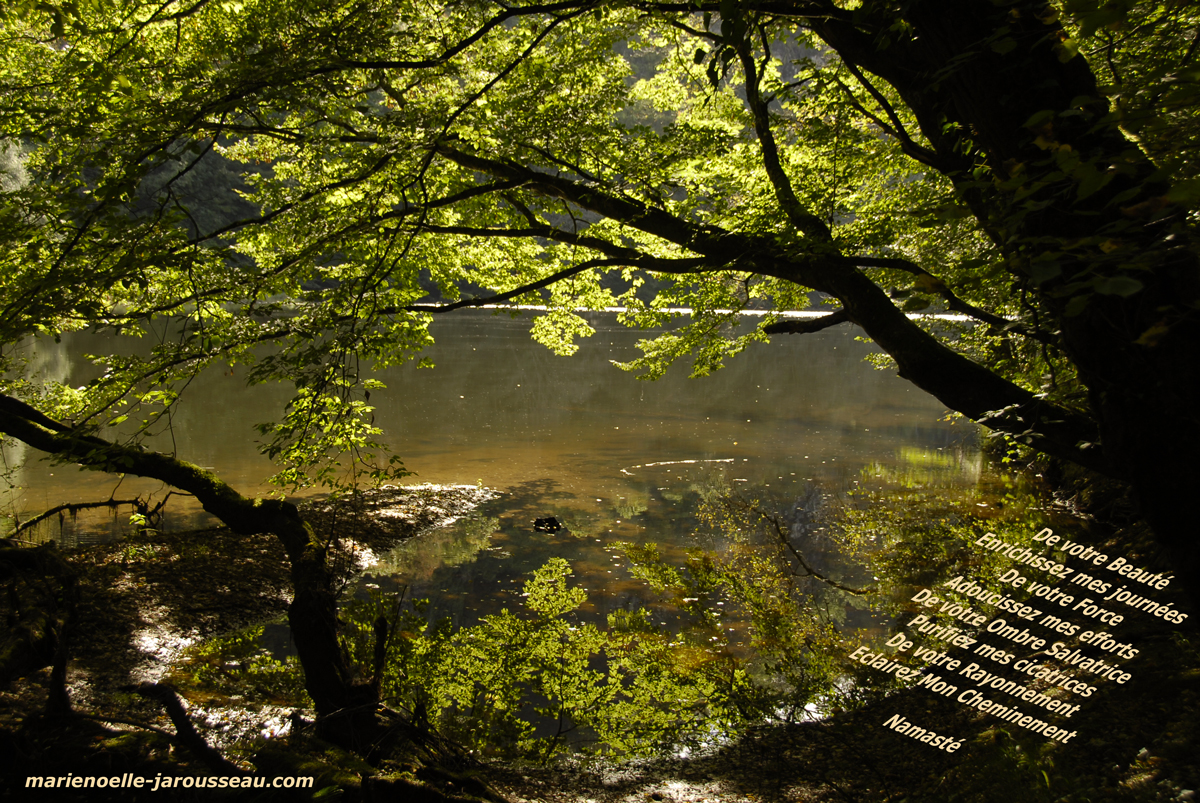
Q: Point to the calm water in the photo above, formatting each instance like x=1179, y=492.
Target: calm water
x=612, y=457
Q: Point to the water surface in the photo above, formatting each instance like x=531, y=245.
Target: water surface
x=611, y=457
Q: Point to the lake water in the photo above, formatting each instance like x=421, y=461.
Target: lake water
x=612, y=457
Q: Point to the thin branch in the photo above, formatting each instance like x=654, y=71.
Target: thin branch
x=449, y=53
x=75, y=507
x=306, y=196
x=525, y=211
x=800, y=217
x=630, y=256
x=709, y=35
x=538, y=285
x=287, y=263
x=1191, y=51
x=955, y=303
x=427, y=160
x=914, y=150
x=783, y=532
x=909, y=147
x=550, y=157
x=807, y=327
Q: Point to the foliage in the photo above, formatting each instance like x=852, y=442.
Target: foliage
x=285, y=183
x=299, y=187
x=237, y=665
x=920, y=535
x=533, y=683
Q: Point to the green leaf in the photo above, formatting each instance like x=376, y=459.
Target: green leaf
x=1186, y=191
x=1043, y=271
x=1076, y=305
x=1067, y=50
x=1037, y=118
x=1123, y=286
x=1091, y=180
x=1005, y=45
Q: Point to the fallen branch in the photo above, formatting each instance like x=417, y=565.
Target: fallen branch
x=185, y=731
x=75, y=507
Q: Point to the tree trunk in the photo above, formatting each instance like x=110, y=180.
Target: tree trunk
x=1111, y=265
x=345, y=709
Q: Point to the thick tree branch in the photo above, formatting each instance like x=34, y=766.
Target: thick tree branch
x=242, y=515
x=933, y=284
x=34, y=633
x=313, y=612
x=962, y=384
x=709, y=240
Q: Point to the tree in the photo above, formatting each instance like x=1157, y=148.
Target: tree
x=1024, y=163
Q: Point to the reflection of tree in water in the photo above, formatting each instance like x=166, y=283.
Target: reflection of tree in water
x=451, y=545
x=764, y=615
x=633, y=503
x=757, y=642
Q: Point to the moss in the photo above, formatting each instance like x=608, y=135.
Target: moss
x=329, y=766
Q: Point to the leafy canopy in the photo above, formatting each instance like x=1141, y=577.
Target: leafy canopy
x=284, y=185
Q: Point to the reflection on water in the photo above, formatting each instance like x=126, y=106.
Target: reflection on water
x=624, y=465
x=503, y=410
x=614, y=458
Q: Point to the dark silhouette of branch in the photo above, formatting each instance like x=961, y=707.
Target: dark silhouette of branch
x=804, y=220
x=783, y=532
x=806, y=327
x=185, y=731
x=75, y=507
x=936, y=285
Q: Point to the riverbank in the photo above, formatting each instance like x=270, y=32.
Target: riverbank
x=149, y=597
x=145, y=599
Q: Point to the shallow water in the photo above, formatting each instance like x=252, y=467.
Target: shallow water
x=611, y=457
